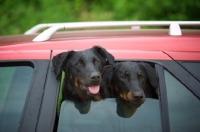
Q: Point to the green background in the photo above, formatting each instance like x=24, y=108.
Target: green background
x=17, y=16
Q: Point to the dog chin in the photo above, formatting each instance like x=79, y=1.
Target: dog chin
x=135, y=104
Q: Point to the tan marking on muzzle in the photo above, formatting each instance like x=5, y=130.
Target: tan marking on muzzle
x=123, y=96
x=130, y=96
x=76, y=82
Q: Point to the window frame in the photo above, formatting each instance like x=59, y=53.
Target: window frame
x=47, y=120
x=162, y=94
x=31, y=110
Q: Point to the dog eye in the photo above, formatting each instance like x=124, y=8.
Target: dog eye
x=140, y=76
x=123, y=77
x=96, y=62
x=79, y=64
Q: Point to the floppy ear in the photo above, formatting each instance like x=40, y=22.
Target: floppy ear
x=59, y=62
x=106, y=82
x=109, y=58
x=151, y=74
x=107, y=75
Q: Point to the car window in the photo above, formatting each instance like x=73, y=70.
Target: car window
x=193, y=67
x=183, y=106
x=109, y=116
x=14, y=85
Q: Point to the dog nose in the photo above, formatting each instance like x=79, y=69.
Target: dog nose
x=138, y=95
x=95, y=76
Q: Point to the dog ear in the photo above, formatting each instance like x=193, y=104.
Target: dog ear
x=59, y=62
x=106, y=82
x=109, y=58
x=107, y=75
x=151, y=74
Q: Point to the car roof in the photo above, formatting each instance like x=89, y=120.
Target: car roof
x=145, y=43
x=134, y=39
x=17, y=39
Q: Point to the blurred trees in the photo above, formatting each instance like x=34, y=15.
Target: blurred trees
x=18, y=16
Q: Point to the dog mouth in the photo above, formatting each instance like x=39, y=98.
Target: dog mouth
x=91, y=89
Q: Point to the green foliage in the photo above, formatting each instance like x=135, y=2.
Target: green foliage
x=18, y=16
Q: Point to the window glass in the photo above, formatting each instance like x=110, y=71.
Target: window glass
x=193, y=67
x=184, y=115
x=14, y=85
x=103, y=116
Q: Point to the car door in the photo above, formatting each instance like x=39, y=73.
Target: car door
x=21, y=91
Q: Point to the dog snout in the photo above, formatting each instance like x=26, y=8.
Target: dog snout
x=138, y=95
x=95, y=76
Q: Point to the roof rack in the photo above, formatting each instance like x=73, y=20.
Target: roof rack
x=174, y=27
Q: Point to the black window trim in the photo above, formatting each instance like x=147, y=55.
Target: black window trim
x=31, y=110
x=48, y=117
x=163, y=99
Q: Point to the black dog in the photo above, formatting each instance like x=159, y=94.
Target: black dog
x=83, y=72
x=132, y=82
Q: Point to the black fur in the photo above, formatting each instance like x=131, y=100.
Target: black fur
x=82, y=71
x=130, y=81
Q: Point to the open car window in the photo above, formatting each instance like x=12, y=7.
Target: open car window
x=108, y=115
x=14, y=86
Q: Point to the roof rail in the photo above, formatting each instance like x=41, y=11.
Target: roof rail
x=174, y=26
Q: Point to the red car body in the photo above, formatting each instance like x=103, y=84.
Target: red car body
x=150, y=47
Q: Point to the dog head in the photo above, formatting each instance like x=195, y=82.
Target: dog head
x=83, y=68
x=128, y=81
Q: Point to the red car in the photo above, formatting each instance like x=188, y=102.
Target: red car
x=29, y=90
